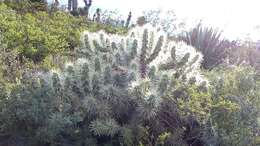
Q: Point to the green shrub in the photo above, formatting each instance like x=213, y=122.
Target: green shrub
x=234, y=120
x=136, y=89
x=35, y=36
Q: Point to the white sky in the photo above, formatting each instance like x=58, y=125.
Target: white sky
x=235, y=17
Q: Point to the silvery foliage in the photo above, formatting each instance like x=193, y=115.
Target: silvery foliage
x=112, y=73
x=145, y=53
x=166, y=19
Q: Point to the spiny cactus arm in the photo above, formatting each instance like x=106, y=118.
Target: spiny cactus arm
x=107, y=76
x=108, y=127
x=68, y=77
x=122, y=45
x=173, y=54
x=85, y=79
x=143, y=54
x=133, y=51
x=120, y=79
x=127, y=134
x=144, y=46
x=99, y=47
x=72, y=77
x=96, y=85
x=102, y=39
x=163, y=85
x=90, y=105
x=191, y=65
x=69, y=5
x=56, y=84
x=97, y=65
x=86, y=42
x=167, y=66
x=85, y=50
x=118, y=60
x=114, y=46
x=74, y=5
x=88, y=3
x=156, y=50
x=85, y=71
x=194, y=60
x=151, y=73
x=151, y=41
x=128, y=19
x=148, y=109
x=184, y=60
x=171, y=64
x=108, y=44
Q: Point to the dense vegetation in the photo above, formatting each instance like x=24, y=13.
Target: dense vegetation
x=65, y=83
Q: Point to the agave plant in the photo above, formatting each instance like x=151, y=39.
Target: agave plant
x=209, y=42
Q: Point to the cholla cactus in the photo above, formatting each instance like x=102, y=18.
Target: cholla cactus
x=73, y=5
x=128, y=19
x=144, y=50
x=144, y=62
x=116, y=85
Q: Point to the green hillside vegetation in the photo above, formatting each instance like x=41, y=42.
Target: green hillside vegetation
x=67, y=80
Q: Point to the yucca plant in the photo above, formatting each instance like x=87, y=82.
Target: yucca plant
x=209, y=42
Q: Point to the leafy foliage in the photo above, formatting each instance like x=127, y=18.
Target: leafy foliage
x=36, y=36
x=27, y=6
x=234, y=117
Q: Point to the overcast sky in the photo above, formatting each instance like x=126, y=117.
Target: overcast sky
x=235, y=17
